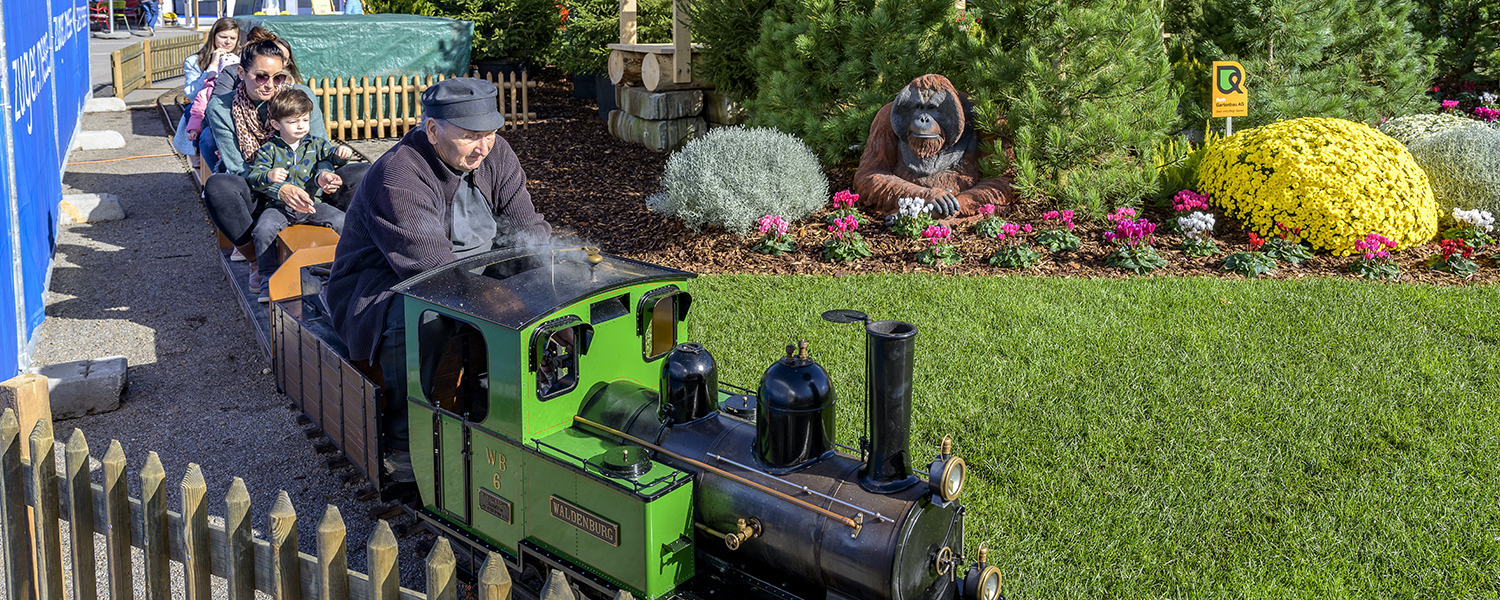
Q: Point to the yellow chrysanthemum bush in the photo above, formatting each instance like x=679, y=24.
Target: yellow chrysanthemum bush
x=1336, y=180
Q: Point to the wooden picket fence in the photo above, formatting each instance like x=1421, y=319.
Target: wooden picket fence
x=33, y=550
x=389, y=106
x=139, y=65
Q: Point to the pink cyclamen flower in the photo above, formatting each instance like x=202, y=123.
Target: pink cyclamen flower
x=774, y=223
x=845, y=199
x=1450, y=104
x=987, y=210
x=1122, y=214
x=1486, y=114
x=1050, y=215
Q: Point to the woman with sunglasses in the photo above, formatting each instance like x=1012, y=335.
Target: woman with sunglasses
x=240, y=127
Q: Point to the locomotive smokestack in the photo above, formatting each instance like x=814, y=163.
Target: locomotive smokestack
x=890, y=348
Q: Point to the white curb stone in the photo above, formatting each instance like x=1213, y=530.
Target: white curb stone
x=84, y=387
x=99, y=140
x=90, y=208
x=94, y=105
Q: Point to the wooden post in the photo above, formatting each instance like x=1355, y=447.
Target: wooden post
x=155, y=545
x=627, y=21
x=239, y=547
x=115, y=68
x=117, y=522
x=286, y=568
x=682, y=46
x=333, y=556
x=48, y=540
x=525, y=103
x=369, y=98
x=441, y=566
x=494, y=579
x=196, y=559
x=27, y=393
x=328, y=119
x=380, y=561
x=512, y=77
x=338, y=105
x=81, y=517
x=13, y=533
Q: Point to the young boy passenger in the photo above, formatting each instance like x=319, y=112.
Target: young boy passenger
x=293, y=170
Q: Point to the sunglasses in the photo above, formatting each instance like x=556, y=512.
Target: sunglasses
x=277, y=79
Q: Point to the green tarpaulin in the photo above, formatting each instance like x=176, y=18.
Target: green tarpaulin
x=373, y=45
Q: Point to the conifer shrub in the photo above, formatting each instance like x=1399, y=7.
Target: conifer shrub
x=1336, y=180
x=1348, y=59
x=728, y=30
x=1411, y=128
x=1467, y=33
x=593, y=23
x=1463, y=165
x=823, y=69
x=732, y=176
x=1085, y=115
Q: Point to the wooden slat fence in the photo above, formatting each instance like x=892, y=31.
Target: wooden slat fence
x=33, y=551
x=139, y=65
x=389, y=106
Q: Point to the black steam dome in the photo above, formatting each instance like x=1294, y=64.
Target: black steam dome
x=689, y=384
x=794, y=422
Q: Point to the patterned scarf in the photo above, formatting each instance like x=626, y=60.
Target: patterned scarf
x=250, y=132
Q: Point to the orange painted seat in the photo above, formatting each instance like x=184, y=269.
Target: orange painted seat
x=300, y=237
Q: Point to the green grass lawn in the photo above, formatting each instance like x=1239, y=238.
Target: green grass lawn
x=1184, y=438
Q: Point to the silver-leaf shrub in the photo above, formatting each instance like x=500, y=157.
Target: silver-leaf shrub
x=1463, y=165
x=734, y=175
x=1411, y=128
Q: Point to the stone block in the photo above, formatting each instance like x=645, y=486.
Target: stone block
x=99, y=140
x=659, y=106
x=94, y=105
x=659, y=136
x=90, y=208
x=718, y=108
x=85, y=387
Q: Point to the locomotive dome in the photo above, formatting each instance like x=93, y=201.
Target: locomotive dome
x=515, y=287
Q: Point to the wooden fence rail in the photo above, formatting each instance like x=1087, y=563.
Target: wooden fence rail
x=33, y=552
x=389, y=106
x=139, y=65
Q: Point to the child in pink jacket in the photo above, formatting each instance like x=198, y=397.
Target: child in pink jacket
x=200, y=100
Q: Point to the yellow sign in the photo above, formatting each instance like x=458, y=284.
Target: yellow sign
x=322, y=7
x=1229, y=97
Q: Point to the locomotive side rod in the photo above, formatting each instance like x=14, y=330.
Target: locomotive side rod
x=855, y=525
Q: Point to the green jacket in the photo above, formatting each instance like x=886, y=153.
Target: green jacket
x=313, y=156
x=221, y=121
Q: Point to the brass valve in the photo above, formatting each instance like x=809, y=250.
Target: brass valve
x=745, y=531
x=946, y=448
x=984, y=554
x=594, y=258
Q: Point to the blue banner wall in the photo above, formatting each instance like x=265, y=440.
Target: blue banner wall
x=46, y=80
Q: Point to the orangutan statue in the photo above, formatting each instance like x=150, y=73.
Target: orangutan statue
x=923, y=145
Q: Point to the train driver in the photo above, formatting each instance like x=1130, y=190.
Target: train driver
x=449, y=189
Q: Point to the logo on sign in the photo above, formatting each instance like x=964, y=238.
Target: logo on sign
x=1229, y=96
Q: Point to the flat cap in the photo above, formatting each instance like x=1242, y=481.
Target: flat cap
x=464, y=101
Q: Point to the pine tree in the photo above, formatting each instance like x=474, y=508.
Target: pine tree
x=1353, y=59
x=1466, y=33
x=592, y=24
x=728, y=30
x=825, y=67
x=1085, y=88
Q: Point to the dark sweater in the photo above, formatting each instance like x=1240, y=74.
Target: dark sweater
x=397, y=227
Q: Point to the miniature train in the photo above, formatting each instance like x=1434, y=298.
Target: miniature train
x=557, y=419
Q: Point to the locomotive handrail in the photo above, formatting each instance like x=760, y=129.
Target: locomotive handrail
x=853, y=524
x=805, y=489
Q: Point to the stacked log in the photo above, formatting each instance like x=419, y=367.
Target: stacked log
x=657, y=111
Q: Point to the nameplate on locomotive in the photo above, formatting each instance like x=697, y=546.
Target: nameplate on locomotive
x=586, y=521
x=492, y=503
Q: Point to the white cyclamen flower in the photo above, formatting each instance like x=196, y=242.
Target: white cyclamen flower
x=1196, y=224
x=912, y=207
x=1479, y=219
x=1488, y=98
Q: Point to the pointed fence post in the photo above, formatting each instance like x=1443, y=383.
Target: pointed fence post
x=13, y=534
x=48, y=538
x=286, y=567
x=557, y=587
x=195, y=533
x=117, y=522
x=380, y=561
x=441, y=567
x=333, y=556
x=494, y=579
x=155, y=545
x=239, y=547
x=81, y=517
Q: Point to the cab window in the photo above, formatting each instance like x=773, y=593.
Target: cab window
x=658, y=314
x=555, y=348
x=454, y=366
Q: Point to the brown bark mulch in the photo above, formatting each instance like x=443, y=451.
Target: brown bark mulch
x=592, y=185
